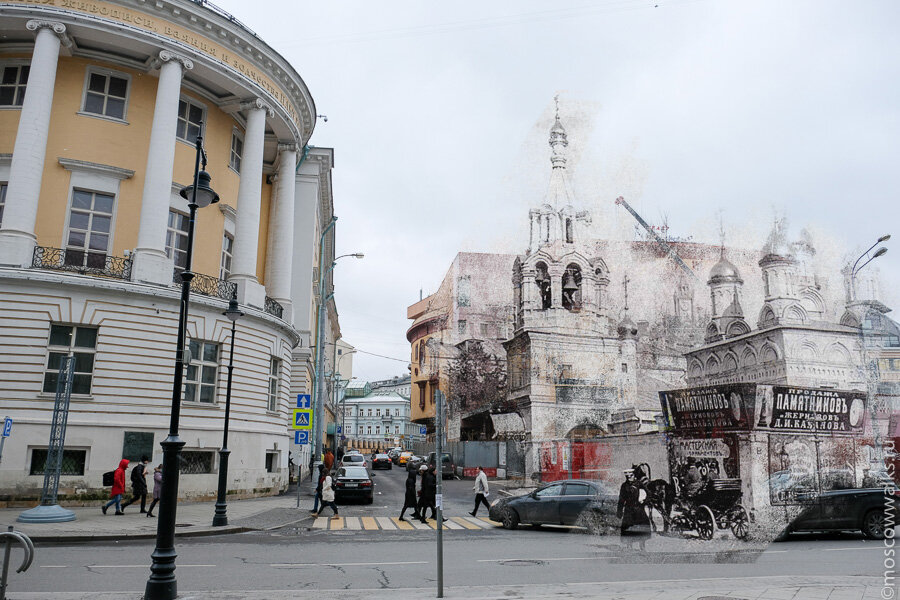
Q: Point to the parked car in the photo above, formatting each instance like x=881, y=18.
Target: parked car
x=846, y=510
x=382, y=461
x=414, y=463
x=404, y=457
x=448, y=469
x=354, y=482
x=354, y=460
x=588, y=504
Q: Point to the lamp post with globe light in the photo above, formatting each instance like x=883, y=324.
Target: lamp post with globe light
x=162, y=584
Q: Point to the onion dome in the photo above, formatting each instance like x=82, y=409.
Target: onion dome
x=724, y=272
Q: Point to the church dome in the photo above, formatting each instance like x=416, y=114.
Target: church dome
x=724, y=271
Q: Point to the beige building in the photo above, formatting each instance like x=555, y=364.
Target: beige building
x=100, y=106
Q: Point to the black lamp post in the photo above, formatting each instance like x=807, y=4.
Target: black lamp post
x=162, y=584
x=221, y=518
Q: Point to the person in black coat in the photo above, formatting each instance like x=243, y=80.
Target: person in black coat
x=409, y=500
x=139, y=484
x=631, y=507
x=427, y=496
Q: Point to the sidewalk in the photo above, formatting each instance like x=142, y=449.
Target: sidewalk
x=746, y=588
x=193, y=519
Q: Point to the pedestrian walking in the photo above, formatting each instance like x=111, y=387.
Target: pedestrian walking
x=328, y=497
x=157, y=489
x=409, y=500
x=328, y=460
x=429, y=493
x=631, y=509
x=482, y=491
x=118, y=488
x=320, y=479
x=139, y=484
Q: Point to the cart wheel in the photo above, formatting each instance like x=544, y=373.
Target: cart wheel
x=740, y=524
x=706, y=523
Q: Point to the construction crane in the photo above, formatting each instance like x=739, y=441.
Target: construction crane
x=662, y=243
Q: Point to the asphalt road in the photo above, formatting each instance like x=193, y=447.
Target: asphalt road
x=304, y=558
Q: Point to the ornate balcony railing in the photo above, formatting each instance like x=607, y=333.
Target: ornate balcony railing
x=209, y=286
x=83, y=262
x=273, y=308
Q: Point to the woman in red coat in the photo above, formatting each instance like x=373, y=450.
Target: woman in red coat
x=118, y=488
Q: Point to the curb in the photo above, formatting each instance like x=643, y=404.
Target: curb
x=100, y=537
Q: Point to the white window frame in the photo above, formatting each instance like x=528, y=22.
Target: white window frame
x=274, y=380
x=227, y=256
x=112, y=216
x=18, y=64
x=200, y=363
x=199, y=105
x=236, y=135
x=105, y=73
x=170, y=250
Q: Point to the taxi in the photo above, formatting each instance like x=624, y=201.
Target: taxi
x=404, y=457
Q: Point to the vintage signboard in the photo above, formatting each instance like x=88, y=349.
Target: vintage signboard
x=813, y=410
x=719, y=408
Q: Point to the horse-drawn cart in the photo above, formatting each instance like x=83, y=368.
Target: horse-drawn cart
x=716, y=505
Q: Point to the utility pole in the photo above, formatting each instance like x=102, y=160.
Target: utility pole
x=439, y=497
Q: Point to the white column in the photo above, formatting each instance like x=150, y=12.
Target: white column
x=17, y=239
x=246, y=232
x=280, y=253
x=150, y=260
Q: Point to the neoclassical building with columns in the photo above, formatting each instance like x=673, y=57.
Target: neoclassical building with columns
x=101, y=103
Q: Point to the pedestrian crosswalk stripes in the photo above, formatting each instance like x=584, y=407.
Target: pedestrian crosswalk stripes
x=395, y=524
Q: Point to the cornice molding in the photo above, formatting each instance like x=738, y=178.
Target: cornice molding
x=72, y=164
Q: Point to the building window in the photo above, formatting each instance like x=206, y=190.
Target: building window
x=79, y=341
x=176, y=239
x=463, y=290
x=237, y=151
x=3, y=187
x=72, y=462
x=461, y=326
x=271, y=461
x=105, y=94
x=369, y=430
x=624, y=367
x=377, y=412
x=396, y=412
x=370, y=412
x=90, y=225
x=195, y=462
x=12, y=85
x=396, y=429
x=274, y=377
x=227, y=253
x=484, y=331
x=378, y=430
x=200, y=380
x=190, y=121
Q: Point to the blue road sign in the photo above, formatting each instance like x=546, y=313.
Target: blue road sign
x=7, y=426
x=423, y=430
x=302, y=419
x=304, y=401
x=339, y=429
x=301, y=437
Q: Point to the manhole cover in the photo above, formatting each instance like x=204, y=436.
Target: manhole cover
x=521, y=563
x=183, y=524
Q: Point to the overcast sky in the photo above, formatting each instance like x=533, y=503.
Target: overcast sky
x=697, y=111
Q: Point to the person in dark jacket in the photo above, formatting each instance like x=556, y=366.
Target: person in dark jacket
x=429, y=493
x=409, y=500
x=319, y=480
x=635, y=521
x=139, y=484
x=118, y=488
x=157, y=489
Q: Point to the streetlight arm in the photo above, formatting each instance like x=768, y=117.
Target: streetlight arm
x=883, y=238
x=877, y=254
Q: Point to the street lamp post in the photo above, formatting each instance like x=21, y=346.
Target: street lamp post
x=854, y=270
x=221, y=518
x=320, y=345
x=162, y=584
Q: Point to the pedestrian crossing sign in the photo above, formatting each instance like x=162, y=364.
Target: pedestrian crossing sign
x=302, y=418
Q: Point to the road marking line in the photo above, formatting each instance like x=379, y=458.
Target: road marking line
x=488, y=520
x=419, y=524
x=540, y=559
x=321, y=523
x=351, y=522
x=465, y=523
x=336, y=523
x=406, y=525
x=854, y=549
x=147, y=566
x=369, y=523
x=433, y=524
x=386, y=523
x=451, y=524
x=53, y=566
x=355, y=564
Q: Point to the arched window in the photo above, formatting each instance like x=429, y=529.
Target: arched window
x=570, y=234
x=542, y=280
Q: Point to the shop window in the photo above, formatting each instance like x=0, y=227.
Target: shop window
x=81, y=343
x=89, y=229
x=12, y=84
x=227, y=254
x=196, y=462
x=73, y=462
x=177, y=239
x=200, y=379
x=190, y=120
x=237, y=151
x=274, y=378
x=105, y=94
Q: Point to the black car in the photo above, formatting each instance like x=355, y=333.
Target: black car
x=589, y=504
x=846, y=510
x=382, y=461
x=354, y=482
x=448, y=469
